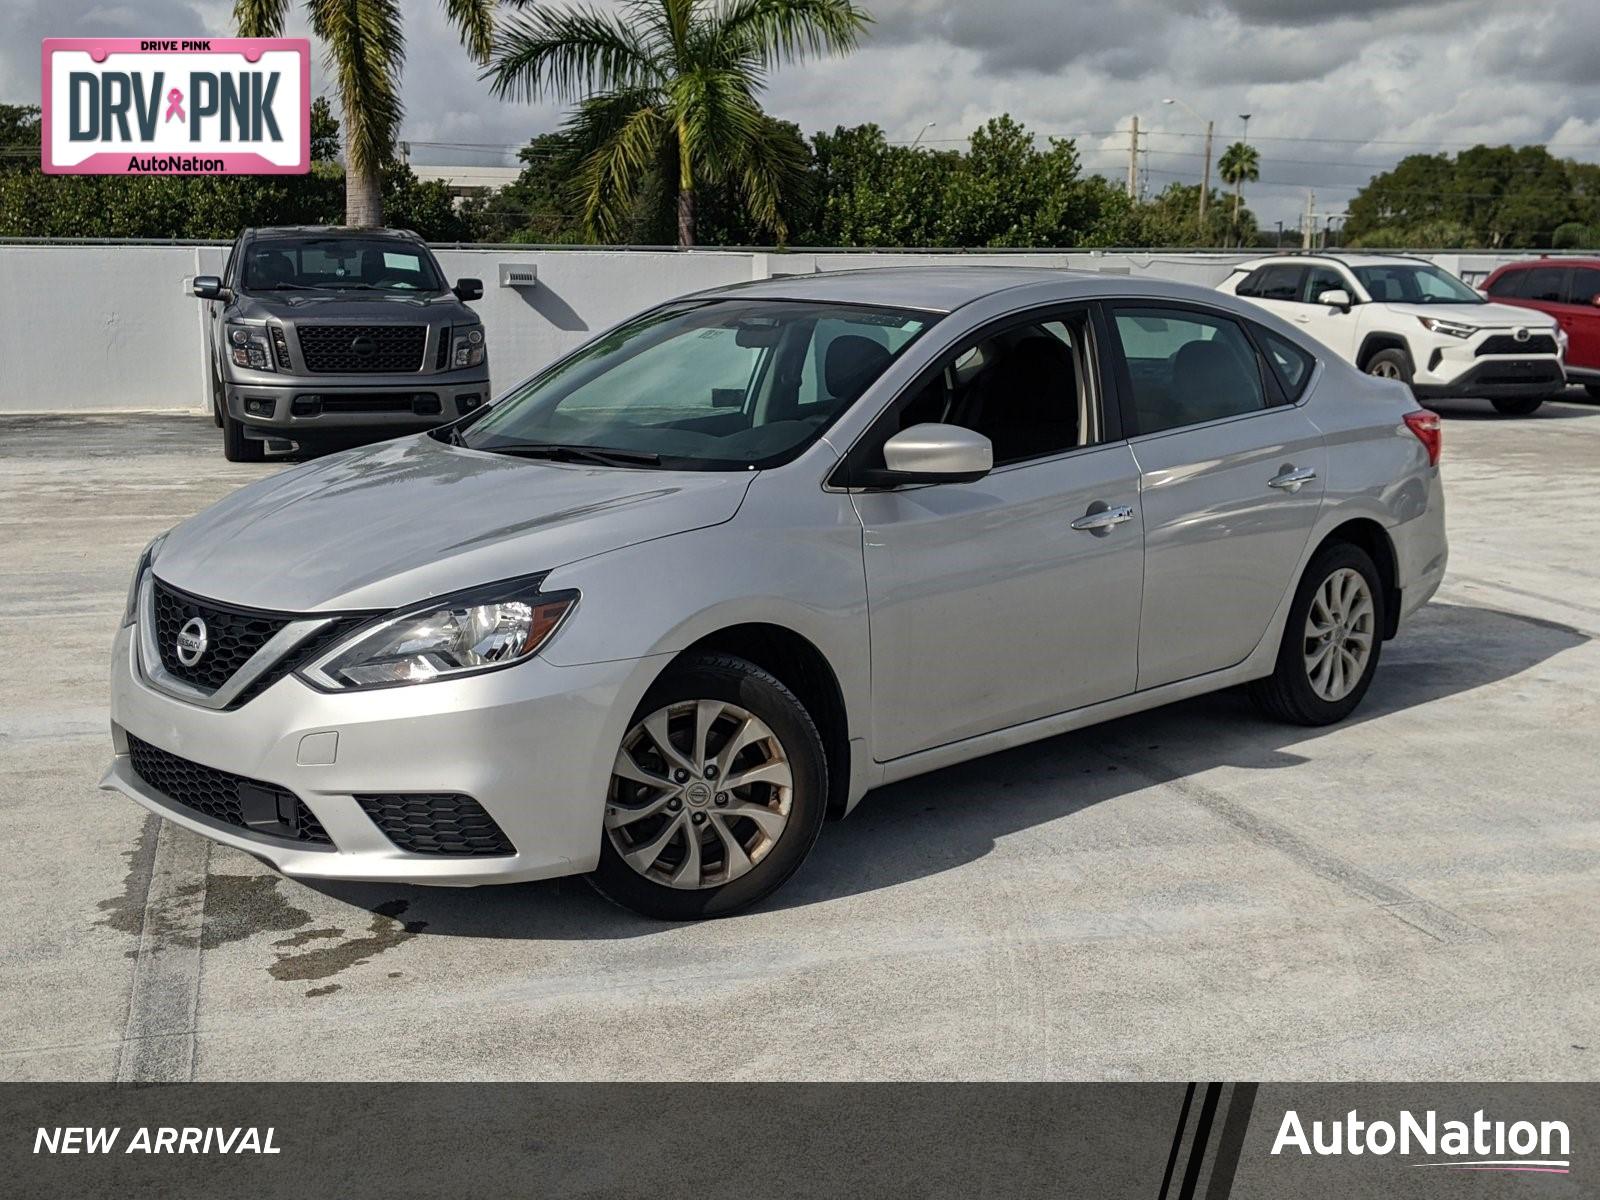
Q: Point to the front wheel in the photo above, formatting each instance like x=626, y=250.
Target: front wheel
x=1391, y=364
x=1331, y=643
x=235, y=446
x=1520, y=406
x=717, y=793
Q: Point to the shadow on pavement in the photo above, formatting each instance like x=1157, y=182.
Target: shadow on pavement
x=942, y=820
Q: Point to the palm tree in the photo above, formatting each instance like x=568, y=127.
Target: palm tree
x=667, y=89
x=365, y=49
x=1240, y=164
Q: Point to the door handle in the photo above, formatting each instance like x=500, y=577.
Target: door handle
x=1292, y=479
x=1103, y=521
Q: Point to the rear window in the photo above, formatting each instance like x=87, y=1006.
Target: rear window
x=1280, y=282
x=1290, y=363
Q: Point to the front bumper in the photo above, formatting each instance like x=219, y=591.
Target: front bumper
x=297, y=408
x=533, y=744
x=1495, y=378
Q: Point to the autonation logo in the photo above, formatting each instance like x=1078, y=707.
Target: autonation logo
x=1476, y=1145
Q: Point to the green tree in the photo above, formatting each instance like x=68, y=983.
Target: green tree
x=19, y=137
x=365, y=50
x=666, y=90
x=1239, y=165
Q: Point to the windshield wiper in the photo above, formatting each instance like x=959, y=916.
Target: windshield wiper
x=290, y=287
x=564, y=451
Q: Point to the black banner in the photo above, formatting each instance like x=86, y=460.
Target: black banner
x=1199, y=1141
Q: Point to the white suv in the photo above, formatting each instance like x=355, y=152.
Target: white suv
x=1404, y=318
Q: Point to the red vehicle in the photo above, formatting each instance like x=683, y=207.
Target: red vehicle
x=1569, y=290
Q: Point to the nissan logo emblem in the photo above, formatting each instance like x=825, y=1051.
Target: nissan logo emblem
x=1521, y=333
x=364, y=346
x=192, y=641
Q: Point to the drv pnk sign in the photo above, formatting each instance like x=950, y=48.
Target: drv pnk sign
x=177, y=106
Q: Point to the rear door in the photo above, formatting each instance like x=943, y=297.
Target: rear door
x=989, y=606
x=1230, y=481
x=1276, y=287
x=1580, y=317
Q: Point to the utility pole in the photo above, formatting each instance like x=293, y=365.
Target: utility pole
x=1205, y=185
x=1133, y=162
x=1308, y=223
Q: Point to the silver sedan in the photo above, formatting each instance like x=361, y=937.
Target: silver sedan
x=705, y=582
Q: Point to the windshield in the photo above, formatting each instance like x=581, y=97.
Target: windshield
x=339, y=264
x=705, y=385
x=1415, y=283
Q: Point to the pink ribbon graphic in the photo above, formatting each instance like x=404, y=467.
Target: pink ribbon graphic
x=175, y=105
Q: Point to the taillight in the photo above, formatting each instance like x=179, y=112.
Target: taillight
x=1426, y=426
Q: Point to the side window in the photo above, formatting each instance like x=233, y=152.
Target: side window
x=1585, y=286
x=1545, y=283
x=1187, y=367
x=1280, y=282
x=1029, y=389
x=1291, y=364
x=1323, y=279
x=1509, y=283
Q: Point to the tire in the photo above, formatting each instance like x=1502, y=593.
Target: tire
x=235, y=446
x=1593, y=389
x=711, y=882
x=1391, y=364
x=1290, y=693
x=1520, y=406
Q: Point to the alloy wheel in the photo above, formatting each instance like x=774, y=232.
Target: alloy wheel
x=1340, y=628
x=1384, y=369
x=700, y=793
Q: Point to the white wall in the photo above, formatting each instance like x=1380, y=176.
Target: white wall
x=94, y=327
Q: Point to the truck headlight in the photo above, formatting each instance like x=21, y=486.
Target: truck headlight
x=130, y=610
x=1453, y=329
x=468, y=347
x=481, y=630
x=248, y=347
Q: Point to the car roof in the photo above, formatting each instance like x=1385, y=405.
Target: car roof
x=294, y=231
x=1546, y=260
x=1348, y=260
x=943, y=289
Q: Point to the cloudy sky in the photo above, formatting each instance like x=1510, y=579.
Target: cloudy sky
x=1336, y=88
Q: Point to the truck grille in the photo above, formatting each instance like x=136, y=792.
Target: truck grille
x=441, y=823
x=369, y=349
x=217, y=794
x=233, y=635
x=1504, y=343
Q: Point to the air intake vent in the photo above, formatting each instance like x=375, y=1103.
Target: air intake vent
x=440, y=823
x=247, y=804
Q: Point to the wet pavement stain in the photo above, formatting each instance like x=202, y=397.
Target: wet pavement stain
x=169, y=919
x=384, y=932
x=240, y=906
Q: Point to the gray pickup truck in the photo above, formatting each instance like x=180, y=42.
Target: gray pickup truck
x=320, y=335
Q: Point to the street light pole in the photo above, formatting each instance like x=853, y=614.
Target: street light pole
x=923, y=130
x=1205, y=184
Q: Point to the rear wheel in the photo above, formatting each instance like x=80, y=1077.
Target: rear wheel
x=1391, y=364
x=1520, y=406
x=1331, y=643
x=235, y=446
x=716, y=796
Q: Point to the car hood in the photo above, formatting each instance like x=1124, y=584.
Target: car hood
x=399, y=522
x=1484, y=316
x=351, y=306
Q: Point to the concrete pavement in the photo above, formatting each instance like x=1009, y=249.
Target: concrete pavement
x=1191, y=892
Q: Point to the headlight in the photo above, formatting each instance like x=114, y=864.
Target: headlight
x=468, y=348
x=130, y=610
x=248, y=347
x=1449, y=328
x=481, y=630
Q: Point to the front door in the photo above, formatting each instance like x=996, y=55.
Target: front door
x=1231, y=479
x=1335, y=328
x=988, y=607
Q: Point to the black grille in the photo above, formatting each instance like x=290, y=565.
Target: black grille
x=441, y=823
x=216, y=794
x=420, y=403
x=233, y=635
x=441, y=359
x=297, y=656
x=1504, y=343
x=368, y=348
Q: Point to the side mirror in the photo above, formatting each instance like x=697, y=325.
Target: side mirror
x=935, y=454
x=1336, y=298
x=209, y=287
x=468, y=289
x=1594, y=300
